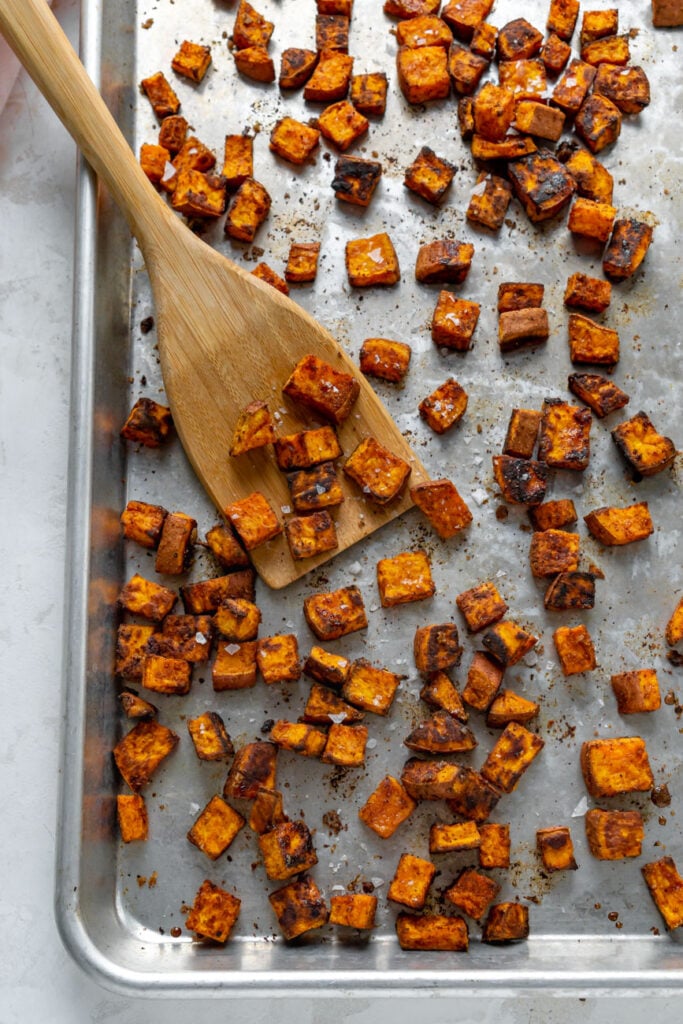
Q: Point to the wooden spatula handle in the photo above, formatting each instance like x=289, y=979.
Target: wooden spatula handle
x=37, y=38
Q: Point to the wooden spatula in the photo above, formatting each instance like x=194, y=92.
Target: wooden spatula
x=225, y=338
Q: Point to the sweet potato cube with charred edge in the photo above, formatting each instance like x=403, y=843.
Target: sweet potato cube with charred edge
x=234, y=667
x=449, y=838
x=253, y=769
x=147, y=423
x=538, y=119
x=423, y=73
x=465, y=68
x=556, y=848
x=316, y=488
x=509, y=707
x=612, y=50
x=562, y=17
x=385, y=359
x=570, y=591
x=520, y=439
x=510, y=757
x=519, y=295
x=192, y=156
x=404, y=578
x=574, y=649
x=213, y=913
x=484, y=39
x=494, y=846
x=518, y=40
x=521, y=327
x=424, y=30
x=131, y=813
x=266, y=811
x=521, y=481
x=489, y=201
x=210, y=737
x=667, y=13
x=598, y=122
x=481, y=606
x=142, y=523
x=353, y=910
x=443, y=260
x=331, y=77
x=465, y=16
x=636, y=691
x=616, y=526
x=484, y=677
x=379, y=473
x=253, y=519
x=432, y=932
x=332, y=669
x=153, y=160
x=184, y=636
x=292, y=140
x=454, y=321
x=387, y=807
x=614, y=835
x=592, y=178
x=369, y=93
x=615, y=766
x=175, y=544
x=142, y=750
x=323, y=704
x=345, y=745
x=335, y=613
x=564, y=440
x=134, y=706
x=591, y=219
x=555, y=53
x=627, y=88
x=192, y=60
x=302, y=262
x=440, y=692
x=411, y=881
x=598, y=24
x=664, y=882
x=254, y=428
x=626, y=249
x=369, y=688
x=444, y=407
x=215, y=828
x=493, y=111
x=466, y=792
x=225, y=547
x=372, y=261
x=440, y=502
x=512, y=147
x=278, y=658
x=441, y=734
x=526, y=79
x=436, y=648
x=311, y=534
x=299, y=738
x=309, y=447
x=131, y=649
x=296, y=67
x=429, y=176
x=299, y=907
x=332, y=32
x=572, y=88
x=553, y=515
x=646, y=452
x=342, y=124
x=590, y=342
x=161, y=95
x=247, y=211
x=250, y=28
x=238, y=160
x=674, y=627
x=542, y=184
x=208, y=595
x=146, y=598
x=173, y=132
x=198, y=195
x=590, y=293
x=356, y=179
x=472, y=893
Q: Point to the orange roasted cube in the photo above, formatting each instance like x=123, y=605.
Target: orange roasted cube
x=674, y=627
x=628, y=88
x=521, y=481
x=210, y=737
x=253, y=519
x=332, y=32
x=538, y=119
x=489, y=201
x=215, y=828
x=465, y=68
x=370, y=688
x=494, y=846
x=173, y=132
x=616, y=526
x=589, y=293
x=184, y=636
x=238, y=160
x=556, y=848
x=372, y=261
x=404, y=578
x=277, y=658
x=570, y=591
x=448, y=838
x=134, y=706
x=574, y=649
x=525, y=78
x=324, y=707
x=213, y=913
x=562, y=17
x=299, y=907
x=552, y=552
x=598, y=122
x=612, y=50
x=302, y=262
x=510, y=757
x=626, y=249
x=432, y=931
x=148, y=423
x=553, y=515
x=287, y=850
x=353, y=910
x=131, y=813
x=345, y=745
x=234, y=667
x=443, y=260
x=311, y=534
x=325, y=667
x=441, y=733
x=385, y=359
x=591, y=219
x=207, y=595
x=481, y=606
x=507, y=642
x=335, y=613
x=436, y=648
x=331, y=77
x=667, y=13
x=493, y=111
x=153, y=160
x=542, y=184
x=253, y=770
x=356, y=179
x=193, y=155
x=387, y=807
x=255, y=428
x=636, y=691
x=146, y=598
x=411, y=881
x=322, y=388
x=423, y=73
x=592, y=178
x=197, y=194
x=665, y=883
x=192, y=60
x=518, y=40
x=131, y=649
x=472, y=893
x=555, y=53
x=514, y=295
x=520, y=439
x=309, y=447
x=521, y=327
x=249, y=208
x=466, y=792
x=512, y=147
x=614, y=835
x=174, y=550
x=590, y=342
x=465, y=16
x=440, y=502
x=342, y=124
x=296, y=67
x=369, y=93
x=424, y=30
x=161, y=95
x=484, y=677
x=141, y=751
x=484, y=39
x=267, y=274
x=572, y=88
x=440, y=692
x=429, y=176
x=143, y=522
x=645, y=450
x=444, y=407
x=614, y=766
x=379, y=473
x=250, y=28
x=508, y=707
x=598, y=24
x=292, y=140
x=454, y=321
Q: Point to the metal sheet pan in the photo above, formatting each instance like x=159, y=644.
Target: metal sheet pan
x=118, y=907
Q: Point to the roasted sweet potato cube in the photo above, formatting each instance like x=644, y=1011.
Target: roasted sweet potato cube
x=332, y=32
x=267, y=274
x=484, y=39
x=404, y=578
x=598, y=122
x=674, y=627
x=636, y=691
x=131, y=813
x=512, y=147
x=161, y=95
x=574, y=649
x=424, y=30
x=493, y=111
x=572, y=88
x=173, y=132
x=614, y=835
x=508, y=707
x=134, y=706
x=335, y=613
x=472, y=893
x=440, y=502
x=466, y=792
x=454, y=321
x=591, y=219
x=627, y=88
x=645, y=450
x=131, y=649
x=611, y=50
x=590, y=342
x=143, y=522
x=564, y=439
x=192, y=60
x=522, y=432
x=661, y=876
x=356, y=179
x=510, y=757
x=238, y=160
x=449, y=838
x=466, y=117
x=522, y=327
x=146, y=598
x=481, y=606
x=302, y=262
x=616, y=526
x=379, y=473
x=518, y=40
x=249, y=208
x=411, y=881
x=526, y=79
x=556, y=848
x=292, y=140
x=445, y=406
x=184, y=636
x=299, y=907
x=345, y=745
x=494, y=846
x=598, y=24
x=519, y=295
x=208, y=595
x=314, y=489
x=253, y=769
x=325, y=667
x=277, y=658
x=372, y=261
x=436, y=647
x=484, y=677
x=555, y=53
x=432, y=931
x=562, y=17
x=521, y=481
x=489, y=201
x=215, y=828
x=213, y=913
x=570, y=591
x=429, y=176
x=234, y=666
x=323, y=707
x=250, y=28
x=210, y=737
x=423, y=73
x=369, y=93
x=299, y=738
x=253, y=519
x=310, y=535
x=142, y=750
x=592, y=178
x=589, y=293
x=153, y=160
x=464, y=16
x=174, y=550
x=615, y=766
x=667, y=13
x=198, y=195
x=353, y=910
x=626, y=249
x=192, y=156
x=331, y=77
x=465, y=68
x=441, y=733
x=370, y=688
x=309, y=447
x=387, y=807
x=542, y=184
x=148, y=423
x=255, y=428
x=534, y=118
x=342, y=124
x=440, y=692
x=225, y=547
x=553, y=515
x=443, y=260
x=296, y=67
x=385, y=359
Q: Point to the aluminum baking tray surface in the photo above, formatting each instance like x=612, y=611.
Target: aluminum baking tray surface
x=120, y=909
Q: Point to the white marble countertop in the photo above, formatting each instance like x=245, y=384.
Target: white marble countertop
x=38, y=981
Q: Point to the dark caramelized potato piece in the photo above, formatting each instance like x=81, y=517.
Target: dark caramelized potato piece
x=454, y=321
x=614, y=766
x=215, y=828
x=192, y=60
x=553, y=515
x=266, y=811
x=598, y=24
x=441, y=734
x=324, y=703
x=556, y=848
x=423, y=73
x=465, y=68
x=292, y=140
x=131, y=813
x=443, y=260
x=146, y=598
x=207, y=595
x=627, y=88
x=142, y=750
x=432, y=931
x=277, y=658
x=465, y=16
x=518, y=40
x=332, y=32
x=436, y=648
x=372, y=261
x=247, y=211
x=322, y=388
x=353, y=910
x=345, y=745
x=143, y=523
x=484, y=677
x=562, y=17
x=564, y=440
x=302, y=263
x=449, y=838
x=666, y=14
x=252, y=770
x=385, y=359
x=489, y=201
x=331, y=77
x=519, y=295
x=379, y=473
x=307, y=448
x=210, y=737
x=299, y=907
x=522, y=432
x=387, y=807
x=506, y=922
x=646, y=452
x=553, y=552
x=555, y=53
x=598, y=122
x=250, y=28
x=481, y=606
x=370, y=688
x=332, y=669
x=198, y=195
x=510, y=757
x=237, y=619
x=356, y=179
x=175, y=544
x=336, y=613
x=472, y=893
x=147, y=423
x=440, y=502
x=614, y=835
x=411, y=881
x=225, y=547
x=570, y=591
x=508, y=707
x=521, y=481
x=429, y=176
x=465, y=790
x=160, y=94
x=591, y=343
x=572, y=88
x=592, y=178
x=311, y=534
x=184, y=636
x=494, y=848
x=267, y=274
x=661, y=877
x=213, y=913
x=172, y=133
x=287, y=850
x=135, y=706
x=589, y=293
x=404, y=578
x=440, y=692
x=636, y=691
x=369, y=93
x=314, y=489
x=616, y=526
x=296, y=67
x=542, y=184
x=507, y=642
x=522, y=327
